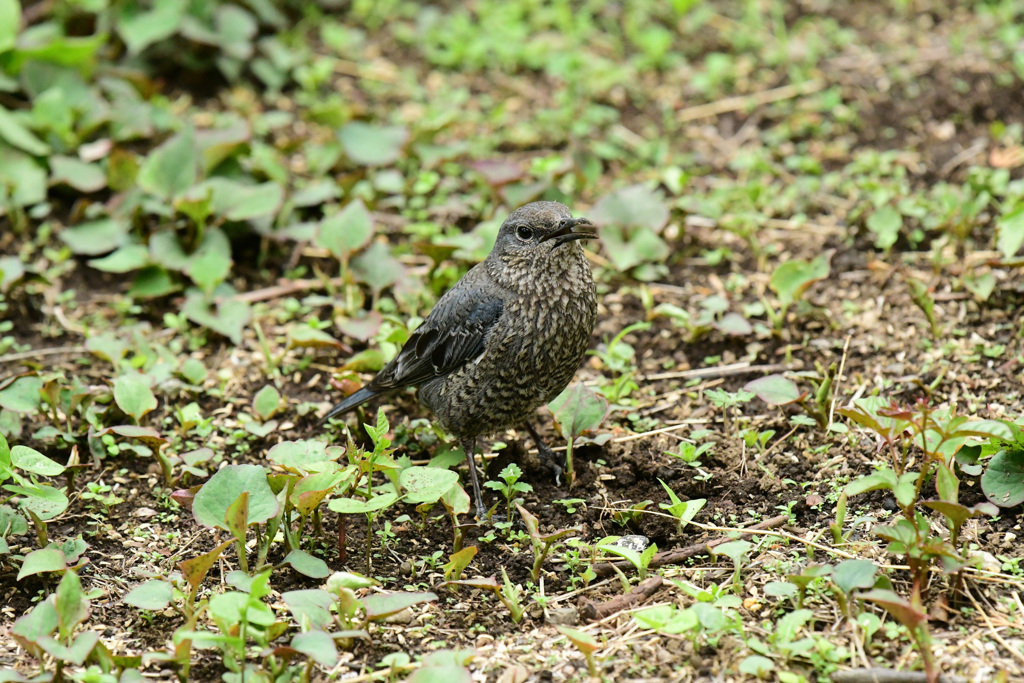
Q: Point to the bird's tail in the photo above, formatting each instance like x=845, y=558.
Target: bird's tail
x=350, y=402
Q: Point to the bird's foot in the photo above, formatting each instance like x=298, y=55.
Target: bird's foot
x=550, y=460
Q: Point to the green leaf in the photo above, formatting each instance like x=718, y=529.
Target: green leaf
x=787, y=628
x=377, y=268
x=302, y=456
x=757, y=666
x=72, y=609
x=445, y=666
x=210, y=264
x=792, y=278
x=171, y=168
x=631, y=206
x=122, y=169
x=77, y=53
x=107, y=346
x=126, y=259
x=379, y=606
x=80, y=175
x=11, y=270
x=22, y=178
x=154, y=594
x=310, y=606
x=17, y=135
x=371, y=145
x=96, y=237
x=578, y=409
x=957, y=514
x=735, y=550
x=133, y=394
x=238, y=201
x=318, y=646
x=584, y=642
x=10, y=22
x=305, y=336
x=901, y=608
x=306, y=564
x=346, y=231
x=349, y=580
x=41, y=561
x=1003, y=480
x=426, y=484
x=266, y=402
x=780, y=589
x=166, y=249
x=852, y=574
x=882, y=479
x=223, y=314
x=236, y=517
x=45, y=502
x=152, y=282
x=986, y=429
x=31, y=460
x=211, y=503
x=886, y=223
x=1010, y=228
x=139, y=29
x=981, y=285
x=775, y=390
x=630, y=247
x=906, y=488
x=632, y=556
x=22, y=395
x=351, y=506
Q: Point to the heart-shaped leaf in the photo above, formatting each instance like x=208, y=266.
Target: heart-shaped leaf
x=217, y=495
x=775, y=390
x=372, y=145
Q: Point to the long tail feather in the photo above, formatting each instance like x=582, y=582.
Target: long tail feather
x=358, y=398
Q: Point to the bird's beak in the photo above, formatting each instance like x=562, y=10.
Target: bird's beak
x=571, y=229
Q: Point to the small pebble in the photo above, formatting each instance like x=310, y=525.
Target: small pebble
x=563, y=616
x=403, y=617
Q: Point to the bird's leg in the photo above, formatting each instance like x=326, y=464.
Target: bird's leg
x=546, y=455
x=469, y=446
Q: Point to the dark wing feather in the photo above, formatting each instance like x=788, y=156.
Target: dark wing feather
x=453, y=334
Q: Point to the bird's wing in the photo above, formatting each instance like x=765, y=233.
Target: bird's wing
x=452, y=335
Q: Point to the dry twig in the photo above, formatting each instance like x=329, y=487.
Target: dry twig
x=593, y=611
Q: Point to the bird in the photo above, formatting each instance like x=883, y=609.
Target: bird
x=506, y=339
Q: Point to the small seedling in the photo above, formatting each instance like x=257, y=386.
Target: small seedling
x=688, y=452
x=683, y=511
x=571, y=504
x=510, y=487
x=585, y=643
x=458, y=562
x=727, y=400
x=736, y=551
x=791, y=280
x=542, y=543
x=618, y=357
x=576, y=410
x=632, y=514
x=640, y=560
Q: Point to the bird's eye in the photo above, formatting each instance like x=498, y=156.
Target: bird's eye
x=524, y=233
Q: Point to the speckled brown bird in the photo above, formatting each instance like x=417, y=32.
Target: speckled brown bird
x=507, y=338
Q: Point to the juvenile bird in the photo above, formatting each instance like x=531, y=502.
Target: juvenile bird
x=506, y=339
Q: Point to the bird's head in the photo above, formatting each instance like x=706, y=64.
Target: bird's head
x=539, y=232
